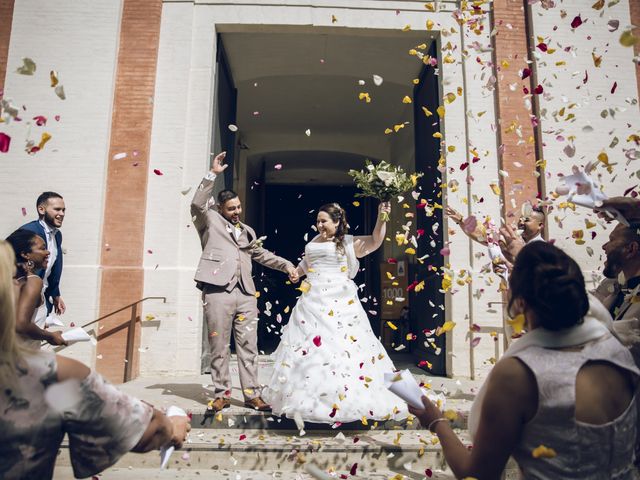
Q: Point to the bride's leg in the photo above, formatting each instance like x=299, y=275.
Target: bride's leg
x=245, y=330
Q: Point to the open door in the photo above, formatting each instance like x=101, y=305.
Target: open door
x=426, y=308
x=223, y=139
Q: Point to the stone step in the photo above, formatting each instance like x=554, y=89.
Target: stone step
x=288, y=451
x=239, y=417
x=116, y=473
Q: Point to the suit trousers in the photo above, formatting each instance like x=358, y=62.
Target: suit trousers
x=223, y=311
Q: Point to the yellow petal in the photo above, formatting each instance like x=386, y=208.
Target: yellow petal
x=495, y=188
x=415, y=81
x=387, y=131
x=446, y=327
x=437, y=135
x=441, y=111
x=543, y=452
x=43, y=140
x=54, y=78
x=426, y=111
x=406, y=28
x=355, y=203
x=304, y=287
x=449, y=59
x=429, y=24
x=410, y=251
x=517, y=323
x=406, y=99
x=628, y=39
x=392, y=326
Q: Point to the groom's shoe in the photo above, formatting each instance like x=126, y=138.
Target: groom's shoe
x=258, y=404
x=219, y=403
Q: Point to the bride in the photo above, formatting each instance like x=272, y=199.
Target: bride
x=329, y=366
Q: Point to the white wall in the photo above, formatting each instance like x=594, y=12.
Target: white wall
x=565, y=87
x=79, y=40
x=180, y=146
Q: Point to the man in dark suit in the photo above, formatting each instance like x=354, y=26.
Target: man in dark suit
x=51, y=211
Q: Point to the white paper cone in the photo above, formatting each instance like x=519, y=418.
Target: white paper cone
x=405, y=386
x=53, y=320
x=76, y=335
x=165, y=452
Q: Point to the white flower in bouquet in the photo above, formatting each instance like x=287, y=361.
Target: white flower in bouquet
x=383, y=182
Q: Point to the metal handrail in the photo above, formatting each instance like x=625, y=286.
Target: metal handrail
x=164, y=300
x=131, y=329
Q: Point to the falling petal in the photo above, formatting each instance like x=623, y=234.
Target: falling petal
x=613, y=25
x=233, y=128
x=28, y=67
x=5, y=142
x=60, y=92
x=54, y=78
x=576, y=22
x=377, y=80
x=157, y=172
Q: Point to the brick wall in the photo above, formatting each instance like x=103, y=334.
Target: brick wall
x=125, y=203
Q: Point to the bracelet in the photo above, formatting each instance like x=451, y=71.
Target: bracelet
x=434, y=422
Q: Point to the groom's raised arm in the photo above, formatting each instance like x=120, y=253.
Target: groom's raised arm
x=202, y=198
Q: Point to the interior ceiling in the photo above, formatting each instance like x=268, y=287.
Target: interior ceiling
x=300, y=81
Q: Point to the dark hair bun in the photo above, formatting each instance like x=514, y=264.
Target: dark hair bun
x=551, y=284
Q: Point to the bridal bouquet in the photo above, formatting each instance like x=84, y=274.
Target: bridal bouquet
x=383, y=181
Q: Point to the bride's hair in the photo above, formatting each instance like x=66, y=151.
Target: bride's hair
x=339, y=216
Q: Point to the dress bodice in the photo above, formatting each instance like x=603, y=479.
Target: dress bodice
x=323, y=258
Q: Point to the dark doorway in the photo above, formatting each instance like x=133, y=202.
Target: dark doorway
x=422, y=314
x=289, y=211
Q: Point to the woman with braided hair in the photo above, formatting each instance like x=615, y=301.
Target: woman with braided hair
x=329, y=366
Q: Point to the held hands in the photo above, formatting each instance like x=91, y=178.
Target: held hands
x=217, y=166
x=293, y=274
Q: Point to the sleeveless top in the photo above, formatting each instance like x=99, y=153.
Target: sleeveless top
x=583, y=451
x=29, y=342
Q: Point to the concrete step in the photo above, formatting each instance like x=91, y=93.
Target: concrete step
x=239, y=417
x=288, y=451
x=115, y=473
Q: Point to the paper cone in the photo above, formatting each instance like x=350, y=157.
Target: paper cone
x=165, y=452
x=76, y=335
x=405, y=386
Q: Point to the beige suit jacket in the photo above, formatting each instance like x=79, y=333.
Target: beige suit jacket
x=626, y=323
x=225, y=260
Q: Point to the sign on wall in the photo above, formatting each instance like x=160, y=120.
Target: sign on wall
x=393, y=283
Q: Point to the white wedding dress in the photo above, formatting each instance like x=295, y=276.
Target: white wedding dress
x=329, y=366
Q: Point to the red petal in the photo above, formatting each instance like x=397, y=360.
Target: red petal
x=464, y=166
x=317, y=341
x=40, y=120
x=421, y=205
x=542, y=47
x=5, y=141
x=392, y=260
x=576, y=22
x=428, y=472
x=354, y=469
x=157, y=172
x=243, y=436
x=412, y=286
x=538, y=90
x=526, y=72
x=613, y=89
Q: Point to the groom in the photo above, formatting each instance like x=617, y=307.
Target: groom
x=228, y=292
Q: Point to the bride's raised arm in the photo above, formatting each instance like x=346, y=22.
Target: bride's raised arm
x=365, y=244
